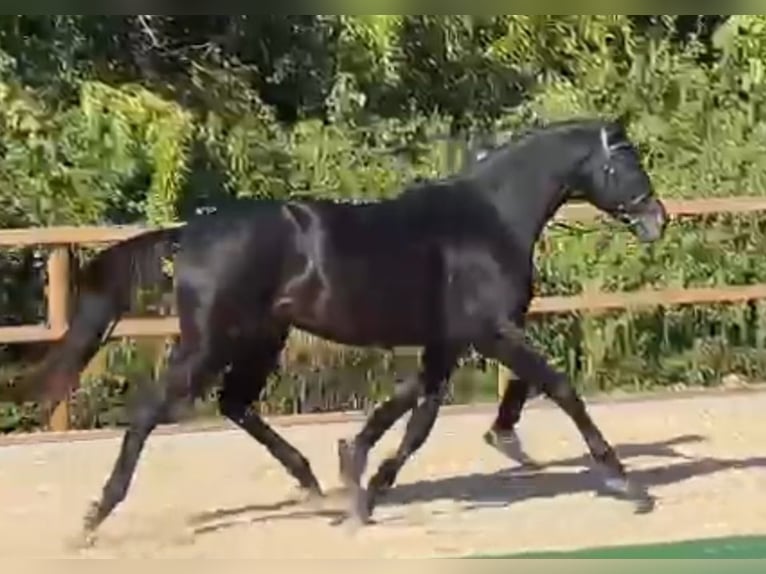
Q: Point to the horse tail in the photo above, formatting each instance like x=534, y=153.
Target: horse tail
x=106, y=285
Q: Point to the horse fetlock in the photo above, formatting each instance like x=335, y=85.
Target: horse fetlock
x=312, y=497
x=300, y=468
x=617, y=485
x=352, y=461
x=309, y=483
x=607, y=460
x=614, y=479
x=382, y=481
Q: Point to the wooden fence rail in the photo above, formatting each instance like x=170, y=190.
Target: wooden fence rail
x=60, y=239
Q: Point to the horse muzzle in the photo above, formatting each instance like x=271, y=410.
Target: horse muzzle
x=649, y=223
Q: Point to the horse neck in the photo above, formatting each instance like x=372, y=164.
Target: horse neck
x=528, y=185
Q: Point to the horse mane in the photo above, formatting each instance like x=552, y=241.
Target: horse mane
x=420, y=184
x=521, y=136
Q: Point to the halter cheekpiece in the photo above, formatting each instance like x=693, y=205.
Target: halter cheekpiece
x=609, y=170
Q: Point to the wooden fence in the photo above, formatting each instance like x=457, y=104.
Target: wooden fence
x=59, y=241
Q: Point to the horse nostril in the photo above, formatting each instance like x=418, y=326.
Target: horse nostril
x=659, y=213
x=662, y=215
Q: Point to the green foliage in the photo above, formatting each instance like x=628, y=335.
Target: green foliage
x=137, y=129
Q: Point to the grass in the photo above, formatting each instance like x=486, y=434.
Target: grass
x=741, y=547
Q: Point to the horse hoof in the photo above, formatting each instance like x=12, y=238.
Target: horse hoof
x=359, y=512
x=92, y=518
x=618, y=485
x=642, y=500
x=356, y=523
x=88, y=539
x=623, y=489
x=313, y=498
x=509, y=444
x=380, y=485
x=645, y=504
x=82, y=541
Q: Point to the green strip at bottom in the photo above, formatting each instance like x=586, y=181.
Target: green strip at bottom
x=747, y=547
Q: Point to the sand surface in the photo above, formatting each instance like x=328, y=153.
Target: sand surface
x=219, y=494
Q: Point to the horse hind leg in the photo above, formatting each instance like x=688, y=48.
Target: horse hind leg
x=502, y=434
x=352, y=454
x=185, y=373
x=242, y=385
x=438, y=363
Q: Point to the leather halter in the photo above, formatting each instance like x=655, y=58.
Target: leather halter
x=621, y=210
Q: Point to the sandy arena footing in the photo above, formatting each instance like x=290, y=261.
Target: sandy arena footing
x=219, y=494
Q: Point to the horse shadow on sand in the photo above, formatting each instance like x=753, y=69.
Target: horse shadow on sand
x=493, y=490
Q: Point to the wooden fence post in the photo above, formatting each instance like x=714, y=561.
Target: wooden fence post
x=58, y=317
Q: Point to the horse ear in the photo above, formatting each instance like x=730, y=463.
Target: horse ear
x=623, y=120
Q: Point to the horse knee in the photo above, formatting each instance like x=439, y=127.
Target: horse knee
x=561, y=392
x=231, y=407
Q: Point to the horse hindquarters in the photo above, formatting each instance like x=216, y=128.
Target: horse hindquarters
x=221, y=296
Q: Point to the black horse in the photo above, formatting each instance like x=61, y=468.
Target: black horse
x=447, y=266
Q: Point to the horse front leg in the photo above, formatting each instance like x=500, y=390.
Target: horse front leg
x=502, y=434
x=509, y=346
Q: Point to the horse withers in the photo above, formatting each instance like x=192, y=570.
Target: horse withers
x=446, y=266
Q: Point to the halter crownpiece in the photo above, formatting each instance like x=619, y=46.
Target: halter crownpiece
x=605, y=143
x=609, y=148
